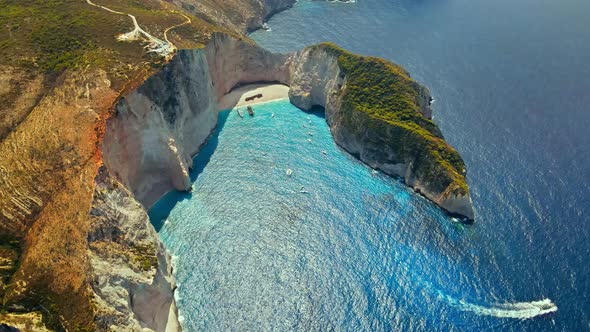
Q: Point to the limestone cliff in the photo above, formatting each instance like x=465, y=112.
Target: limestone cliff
x=131, y=270
x=157, y=128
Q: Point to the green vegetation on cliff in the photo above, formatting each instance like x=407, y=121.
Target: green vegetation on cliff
x=378, y=92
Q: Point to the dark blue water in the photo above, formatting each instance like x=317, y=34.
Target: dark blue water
x=357, y=250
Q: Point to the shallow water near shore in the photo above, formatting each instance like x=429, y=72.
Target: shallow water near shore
x=335, y=245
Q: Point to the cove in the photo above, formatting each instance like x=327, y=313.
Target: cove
x=333, y=246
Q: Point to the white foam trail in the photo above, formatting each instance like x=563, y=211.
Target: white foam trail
x=518, y=310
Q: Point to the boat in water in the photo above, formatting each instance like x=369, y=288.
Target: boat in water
x=250, y=110
x=289, y=172
x=240, y=113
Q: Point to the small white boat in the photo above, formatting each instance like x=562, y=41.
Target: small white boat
x=374, y=172
x=309, y=140
x=303, y=191
x=310, y=133
x=325, y=152
x=240, y=113
x=272, y=115
x=265, y=26
x=289, y=172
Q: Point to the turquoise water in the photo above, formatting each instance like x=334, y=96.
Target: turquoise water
x=334, y=245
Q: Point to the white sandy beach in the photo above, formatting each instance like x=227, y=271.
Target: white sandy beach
x=237, y=97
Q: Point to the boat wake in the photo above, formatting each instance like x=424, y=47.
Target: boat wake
x=343, y=1
x=518, y=310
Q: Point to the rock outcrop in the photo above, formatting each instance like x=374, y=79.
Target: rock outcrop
x=318, y=79
x=131, y=271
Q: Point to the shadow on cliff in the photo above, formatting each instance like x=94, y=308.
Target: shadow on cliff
x=161, y=210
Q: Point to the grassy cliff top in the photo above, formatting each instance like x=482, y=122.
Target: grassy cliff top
x=385, y=91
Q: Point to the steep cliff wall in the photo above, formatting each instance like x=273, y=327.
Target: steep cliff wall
x=157, y=129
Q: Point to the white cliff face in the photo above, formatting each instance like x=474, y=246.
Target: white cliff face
x=131, y=272
x=233, y=62
x=157, y=128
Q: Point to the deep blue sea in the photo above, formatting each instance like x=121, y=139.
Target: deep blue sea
x=338, y=247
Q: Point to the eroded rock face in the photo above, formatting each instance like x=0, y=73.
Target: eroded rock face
x=131, y=272
x=156, y=129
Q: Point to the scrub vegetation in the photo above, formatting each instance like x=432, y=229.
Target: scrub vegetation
x=381, y=92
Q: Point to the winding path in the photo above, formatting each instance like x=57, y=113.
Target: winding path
x=164, y=47
x=188, y=21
